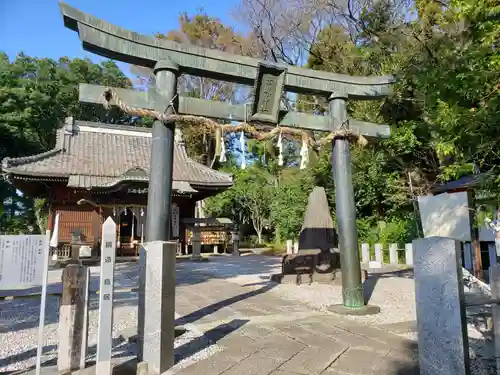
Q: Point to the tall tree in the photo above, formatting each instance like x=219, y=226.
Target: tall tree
x=36, y=94
x=209, y=32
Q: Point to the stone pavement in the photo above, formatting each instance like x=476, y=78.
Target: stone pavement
x=263, y=334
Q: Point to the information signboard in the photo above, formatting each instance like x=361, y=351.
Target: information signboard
x=22, y=260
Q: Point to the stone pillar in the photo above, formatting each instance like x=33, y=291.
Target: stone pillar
x=141, y=302
x=365, y=252
x=76, y=243
x=289, y=246
x=439, y=294
x=159, y=212
x=159, y=306
x=352, y=287
x=379, y=253
x=73, y=319
x=393, y=253
x=196, y=241
x=409, y=254
x=495, y=294
x=235, y=237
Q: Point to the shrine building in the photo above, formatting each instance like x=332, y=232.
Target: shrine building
x=99, y=170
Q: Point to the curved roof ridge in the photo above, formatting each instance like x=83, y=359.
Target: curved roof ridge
x=14, y=162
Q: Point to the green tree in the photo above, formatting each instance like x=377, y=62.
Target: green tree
x=247, y=201
x=36, y=94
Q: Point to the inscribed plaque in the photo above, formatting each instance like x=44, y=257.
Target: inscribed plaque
x=175, y=220
x=21, y=260
x=269, y=86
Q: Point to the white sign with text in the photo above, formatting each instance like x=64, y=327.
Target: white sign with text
x=22, y=260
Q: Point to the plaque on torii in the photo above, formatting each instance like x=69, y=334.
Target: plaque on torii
x=169, y=59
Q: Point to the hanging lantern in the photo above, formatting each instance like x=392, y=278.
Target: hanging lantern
x=280, y=148
x=242, y=144
x=304, y=153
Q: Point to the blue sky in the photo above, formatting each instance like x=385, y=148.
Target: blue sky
x=36, y=28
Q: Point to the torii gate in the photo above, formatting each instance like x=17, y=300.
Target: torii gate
x=169, y=60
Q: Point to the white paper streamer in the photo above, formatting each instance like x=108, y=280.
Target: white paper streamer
x=222, y=157
x=304, y=155
x=242, y=144
x=280, y=148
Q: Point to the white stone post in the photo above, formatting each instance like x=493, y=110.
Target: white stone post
x=409, y=254
x=365, y=252
x=393, y=253
x=379, y=254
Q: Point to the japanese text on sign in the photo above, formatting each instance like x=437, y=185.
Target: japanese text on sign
x=21, y=260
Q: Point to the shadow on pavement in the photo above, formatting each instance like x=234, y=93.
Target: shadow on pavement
x=210, y=309
x=209, y=338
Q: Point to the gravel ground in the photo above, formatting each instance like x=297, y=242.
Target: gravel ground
x=19, y=326
x=394, y=295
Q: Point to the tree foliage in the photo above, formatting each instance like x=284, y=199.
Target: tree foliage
x=444, y=113
x=36, y=94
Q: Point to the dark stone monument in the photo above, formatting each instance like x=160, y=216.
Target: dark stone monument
x=318, y=258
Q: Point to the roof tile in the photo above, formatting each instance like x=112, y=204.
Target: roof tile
x=100, y=155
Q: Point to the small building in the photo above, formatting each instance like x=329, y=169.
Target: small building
x=483, y=200
x=99, y=170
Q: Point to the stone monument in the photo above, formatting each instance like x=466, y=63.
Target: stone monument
x=318, y=257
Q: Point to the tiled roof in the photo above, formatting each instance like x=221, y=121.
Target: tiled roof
x=465, y=182
x=101, y=155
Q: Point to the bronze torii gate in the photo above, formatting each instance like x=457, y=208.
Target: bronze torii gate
x=169, y=60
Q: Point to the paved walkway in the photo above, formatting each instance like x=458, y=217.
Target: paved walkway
x=263, y=334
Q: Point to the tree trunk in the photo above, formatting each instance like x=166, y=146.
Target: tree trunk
x=259, y=236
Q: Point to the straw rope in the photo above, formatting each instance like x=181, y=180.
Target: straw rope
x=260, y=132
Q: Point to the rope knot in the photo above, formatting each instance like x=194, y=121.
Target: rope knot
x=350, y=135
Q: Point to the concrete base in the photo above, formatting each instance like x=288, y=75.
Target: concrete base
x=365, y=310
